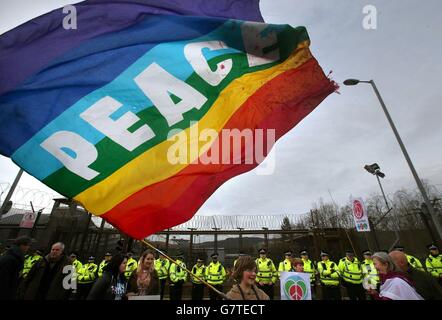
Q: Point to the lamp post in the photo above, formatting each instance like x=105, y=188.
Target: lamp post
x=424, y=217
x=353, y=82
x=376, y=170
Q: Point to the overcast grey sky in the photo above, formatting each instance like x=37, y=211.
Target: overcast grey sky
x=328, y=149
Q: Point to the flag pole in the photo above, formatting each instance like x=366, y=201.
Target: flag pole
x=221, y=294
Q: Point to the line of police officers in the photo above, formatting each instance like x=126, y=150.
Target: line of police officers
x=349, y=272
x=354, y=275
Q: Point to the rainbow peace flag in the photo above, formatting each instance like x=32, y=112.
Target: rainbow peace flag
x=126, y=114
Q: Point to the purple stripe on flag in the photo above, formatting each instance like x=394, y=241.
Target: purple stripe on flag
x=229, y=9
x=28, y=48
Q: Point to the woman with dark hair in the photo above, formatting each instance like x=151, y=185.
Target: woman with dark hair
x=245, y=287
x=112, y=285
x=144, y=280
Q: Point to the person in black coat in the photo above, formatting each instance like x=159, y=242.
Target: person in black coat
x=11, y=264
x=112, y=285
x=45, y=280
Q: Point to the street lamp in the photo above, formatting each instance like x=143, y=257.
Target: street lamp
x=353, y=82
x=374, y=169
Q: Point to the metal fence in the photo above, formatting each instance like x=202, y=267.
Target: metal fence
x=203, y=235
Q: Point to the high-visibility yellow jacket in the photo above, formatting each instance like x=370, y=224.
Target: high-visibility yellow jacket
x=77, y=265
x=328, y=273
x=309, y=267
x=414, y=262
x=28, y=263
x=199, y=271
x=101, y=267
x=88, y=273
x=369, y=272
x=285, y=265
x=215, y=273
x=131, y=265
x=266, y=271
x=434, y=265
x=177, y=272
x=350, y=271
x=162, y=267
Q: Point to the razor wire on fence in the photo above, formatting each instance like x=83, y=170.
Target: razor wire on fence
x=406, y=214
x=22, y=198
x=239, y=222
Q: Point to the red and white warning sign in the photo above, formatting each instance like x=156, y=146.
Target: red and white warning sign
x=360, y=215
x=28, y=220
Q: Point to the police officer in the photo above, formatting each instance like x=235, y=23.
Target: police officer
x=369, y=273
x=177, y=277
x=162, y=265
x=309, y=267
x=107, y=258
x=413, y=261
x=433, y=263
x=86, y=278
x=131, y=265
x=351, y=273
x=266, y=274
x=329, y=278
x=30, y=260
x=77, y=266
x=285, y=265
x=215, y=275
x=199, y=270
x=75, y=262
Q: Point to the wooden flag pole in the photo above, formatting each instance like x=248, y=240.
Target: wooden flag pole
x=221, y=294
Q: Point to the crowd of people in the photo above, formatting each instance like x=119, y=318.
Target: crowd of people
x=383, y=275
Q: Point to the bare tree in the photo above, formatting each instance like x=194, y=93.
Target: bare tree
x=405, y=206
